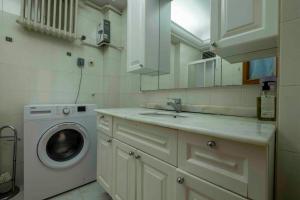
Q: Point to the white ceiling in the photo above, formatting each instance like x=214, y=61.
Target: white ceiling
x=193, y=16
x=120, y=4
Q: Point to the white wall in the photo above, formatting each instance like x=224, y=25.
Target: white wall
x=35, y=69
x=288, y=149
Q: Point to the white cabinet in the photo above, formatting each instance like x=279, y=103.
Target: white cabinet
x=142, y=36
x=190, y=187
x=235, y=166
x=124, y=171
x=242, y=30
x=146, y=162
x=105, y=162
x=147, y=37
x=104, y=124
x=155, y=179
x=156, y=141
x=140, y=176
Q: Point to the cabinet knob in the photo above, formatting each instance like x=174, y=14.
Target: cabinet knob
x=101, y=117
x=211, y=144
x=180, y=180
x=131, y=153
x=214, y=44
x=137, y=157
x=109, y=140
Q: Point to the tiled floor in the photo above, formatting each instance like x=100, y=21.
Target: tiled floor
x=88, y=192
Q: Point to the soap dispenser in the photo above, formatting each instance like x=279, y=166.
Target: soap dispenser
x=266, y=103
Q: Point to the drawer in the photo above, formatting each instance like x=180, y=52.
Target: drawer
x=104, y=124
x=192, y=187
x=238, y=167
x=156, y=141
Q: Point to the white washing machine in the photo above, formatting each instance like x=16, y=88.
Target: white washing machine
x=59, y=149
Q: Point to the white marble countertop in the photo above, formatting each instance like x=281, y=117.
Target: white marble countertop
x=242, y=129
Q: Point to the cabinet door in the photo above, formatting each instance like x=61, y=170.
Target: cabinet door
x=190, y=187
x=155, y=179
x=105, y=162
x=243, y=27
x=135, y=35
x=124, y=171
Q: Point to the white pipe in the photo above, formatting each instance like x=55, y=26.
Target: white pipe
x=42, y=14
x=71, y=18
x=54, y=16
x=60, y=9
x=48, y=15
x=66, y=17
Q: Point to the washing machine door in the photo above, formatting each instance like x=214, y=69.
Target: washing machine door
x=63, y=145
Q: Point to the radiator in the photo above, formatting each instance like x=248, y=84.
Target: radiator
x=55, y=17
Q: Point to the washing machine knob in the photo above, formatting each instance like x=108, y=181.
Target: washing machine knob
x=66, y=111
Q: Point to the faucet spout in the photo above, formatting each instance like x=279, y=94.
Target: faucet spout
x=176, y=105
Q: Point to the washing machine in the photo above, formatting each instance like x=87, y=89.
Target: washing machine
x=59, y=149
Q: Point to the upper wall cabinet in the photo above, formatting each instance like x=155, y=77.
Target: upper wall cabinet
x=143, y=35
x=243, y=30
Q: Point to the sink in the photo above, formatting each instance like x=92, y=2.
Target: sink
x=157, y=114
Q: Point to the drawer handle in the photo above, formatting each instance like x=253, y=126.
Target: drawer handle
x=131, y=153
x=180, y=180
x=137, y=157
x=101, y=117
x=211, y=144
x=109, y=141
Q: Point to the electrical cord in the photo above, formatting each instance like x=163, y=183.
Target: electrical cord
x=79, y=87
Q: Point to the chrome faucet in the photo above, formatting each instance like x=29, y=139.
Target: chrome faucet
x=176, y=104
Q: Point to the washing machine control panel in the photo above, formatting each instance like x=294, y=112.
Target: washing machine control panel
x=66, y=111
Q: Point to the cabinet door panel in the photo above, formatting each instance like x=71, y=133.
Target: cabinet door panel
x=104, y=124
x=233, y=22
x=231, y=165
x=244, y=28
x=105, y=162
x=156, y=141
x=155, y=179
x=194, y=188
x=124, y=166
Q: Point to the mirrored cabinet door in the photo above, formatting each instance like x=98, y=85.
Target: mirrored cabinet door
x=186, y=31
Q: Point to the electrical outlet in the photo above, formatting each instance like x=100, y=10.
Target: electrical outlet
x=80, y=62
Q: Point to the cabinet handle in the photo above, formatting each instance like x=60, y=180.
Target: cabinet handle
x=180, y=180
x=131, y=153
x=137, y=157
x=101, y=117
x=214, y=44
x=109, y=140
x=211, y=144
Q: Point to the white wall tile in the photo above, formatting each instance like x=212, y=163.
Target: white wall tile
x=290, y=54
x=12, y=6
x=288, y=176
x=289, y=121
x=290, y=9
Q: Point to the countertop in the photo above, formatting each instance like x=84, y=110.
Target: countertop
x=241, y=129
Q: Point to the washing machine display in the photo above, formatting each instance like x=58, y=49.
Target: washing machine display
x=63, y=145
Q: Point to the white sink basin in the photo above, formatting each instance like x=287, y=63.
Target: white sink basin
x=165, y=115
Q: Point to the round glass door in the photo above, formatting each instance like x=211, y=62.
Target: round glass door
x=63, y=145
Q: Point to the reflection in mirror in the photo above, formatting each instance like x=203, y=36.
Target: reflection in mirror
x=149, y=82
x=185, y=30
x=257, y=69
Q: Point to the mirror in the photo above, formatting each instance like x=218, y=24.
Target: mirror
x=191, y=64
